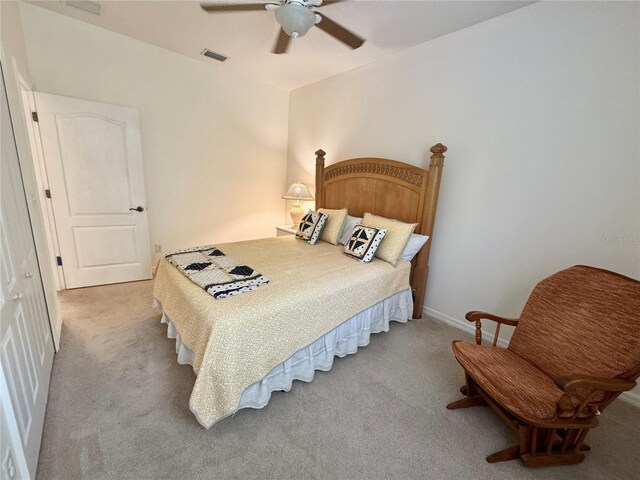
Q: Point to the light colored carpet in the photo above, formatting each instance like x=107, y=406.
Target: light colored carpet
x=118, y=408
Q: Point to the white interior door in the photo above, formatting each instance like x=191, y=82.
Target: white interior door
x=94, y=166
x=26, y=343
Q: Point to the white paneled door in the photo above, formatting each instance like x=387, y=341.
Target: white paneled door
x=94, y=167
x=26, y=343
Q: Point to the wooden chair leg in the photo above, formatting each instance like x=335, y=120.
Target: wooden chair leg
x=550, y=460
x=541, y=447
x=466, y=403
x=510, y=453
x=470, y=392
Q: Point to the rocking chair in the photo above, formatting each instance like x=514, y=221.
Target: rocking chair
x=575, y=349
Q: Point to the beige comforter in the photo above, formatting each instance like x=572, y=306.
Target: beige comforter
x=236, y=341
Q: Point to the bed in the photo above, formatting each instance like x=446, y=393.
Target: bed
x=318, y=304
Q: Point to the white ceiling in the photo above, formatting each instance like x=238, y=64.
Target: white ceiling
x=247, y=37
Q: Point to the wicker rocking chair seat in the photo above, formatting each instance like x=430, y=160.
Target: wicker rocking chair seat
x=514, y=383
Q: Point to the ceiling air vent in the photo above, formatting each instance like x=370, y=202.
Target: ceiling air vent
x=85, y=5
x=216, y=56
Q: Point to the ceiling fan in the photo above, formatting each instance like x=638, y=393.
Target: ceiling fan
x=295, y=17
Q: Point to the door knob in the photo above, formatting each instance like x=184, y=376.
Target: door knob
x=137, y=209
x=28, y=275
x=17, y=297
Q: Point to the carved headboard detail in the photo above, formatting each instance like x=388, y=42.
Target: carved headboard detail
x=375, y=168
x=389, y=188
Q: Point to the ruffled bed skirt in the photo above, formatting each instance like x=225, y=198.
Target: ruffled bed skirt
x=341, y=341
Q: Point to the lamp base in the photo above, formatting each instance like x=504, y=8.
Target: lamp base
x=296, y=213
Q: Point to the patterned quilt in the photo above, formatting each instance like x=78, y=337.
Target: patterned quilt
x=220, y=276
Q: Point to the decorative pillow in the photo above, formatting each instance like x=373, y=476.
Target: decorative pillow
x=364, y=242
x=398, y=234
x=414, y=245
x=311, y=226
x=331, y=231
x=347, y=228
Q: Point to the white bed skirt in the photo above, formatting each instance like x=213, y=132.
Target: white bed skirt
x=341, y=341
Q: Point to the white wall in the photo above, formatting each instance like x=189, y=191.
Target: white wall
x=540, y=109
x=17, y=76
x=213, y=144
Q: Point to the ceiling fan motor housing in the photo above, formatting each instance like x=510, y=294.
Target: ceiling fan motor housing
x=295, y=18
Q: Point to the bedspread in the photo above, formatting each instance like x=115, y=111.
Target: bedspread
x=238, y=340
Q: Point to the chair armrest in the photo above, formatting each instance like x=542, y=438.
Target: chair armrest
x=570, y=383
x=476, y=316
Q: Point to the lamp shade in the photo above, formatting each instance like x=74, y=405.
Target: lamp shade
x=298, y=191
x=295, y=19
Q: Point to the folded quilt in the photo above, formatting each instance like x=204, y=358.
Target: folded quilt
x=218, y=275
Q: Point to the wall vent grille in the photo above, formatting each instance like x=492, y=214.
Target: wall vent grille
x=216, y=56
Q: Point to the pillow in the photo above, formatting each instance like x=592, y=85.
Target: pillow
x=331, y=231
x=311, y=226
x=347, y=228
x=364, y=242
x=414, y=245
x=398, y=234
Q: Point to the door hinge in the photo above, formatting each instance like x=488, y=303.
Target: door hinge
x=47, y=193
x=59, y=260
x=34, y=116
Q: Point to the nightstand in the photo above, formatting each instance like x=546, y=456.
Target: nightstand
x=282, y=230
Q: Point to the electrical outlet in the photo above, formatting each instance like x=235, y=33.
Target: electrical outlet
x=158, y=248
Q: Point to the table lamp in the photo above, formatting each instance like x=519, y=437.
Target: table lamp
x=297, y=191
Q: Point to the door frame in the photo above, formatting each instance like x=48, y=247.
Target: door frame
x=42, y=180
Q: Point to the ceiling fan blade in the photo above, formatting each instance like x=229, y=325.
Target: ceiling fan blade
x=282, y=43
x=338, y=31
x=232, y=7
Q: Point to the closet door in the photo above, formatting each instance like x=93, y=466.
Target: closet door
x=26, y=342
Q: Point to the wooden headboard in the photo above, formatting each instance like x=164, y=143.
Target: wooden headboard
x=391, y=189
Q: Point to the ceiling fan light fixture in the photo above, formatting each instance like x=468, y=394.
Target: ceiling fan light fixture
x=295, y=19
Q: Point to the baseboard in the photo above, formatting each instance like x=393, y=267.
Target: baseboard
x=463, y=325
x=468, y=327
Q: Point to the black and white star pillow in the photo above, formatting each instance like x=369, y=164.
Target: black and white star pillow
x=364, y=242
x=311, y=226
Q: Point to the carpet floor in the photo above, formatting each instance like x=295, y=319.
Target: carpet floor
x=118, y=408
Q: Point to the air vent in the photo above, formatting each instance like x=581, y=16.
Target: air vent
x=85, y=5
x=216, y=56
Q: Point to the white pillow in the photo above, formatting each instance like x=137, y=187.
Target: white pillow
x=414, y=245
x=347, y=229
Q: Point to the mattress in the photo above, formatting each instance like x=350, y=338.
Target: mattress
x=235, y=342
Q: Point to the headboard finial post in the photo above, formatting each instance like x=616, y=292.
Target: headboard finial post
x=437, y=154
x=320, y=178
x=421, y=262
